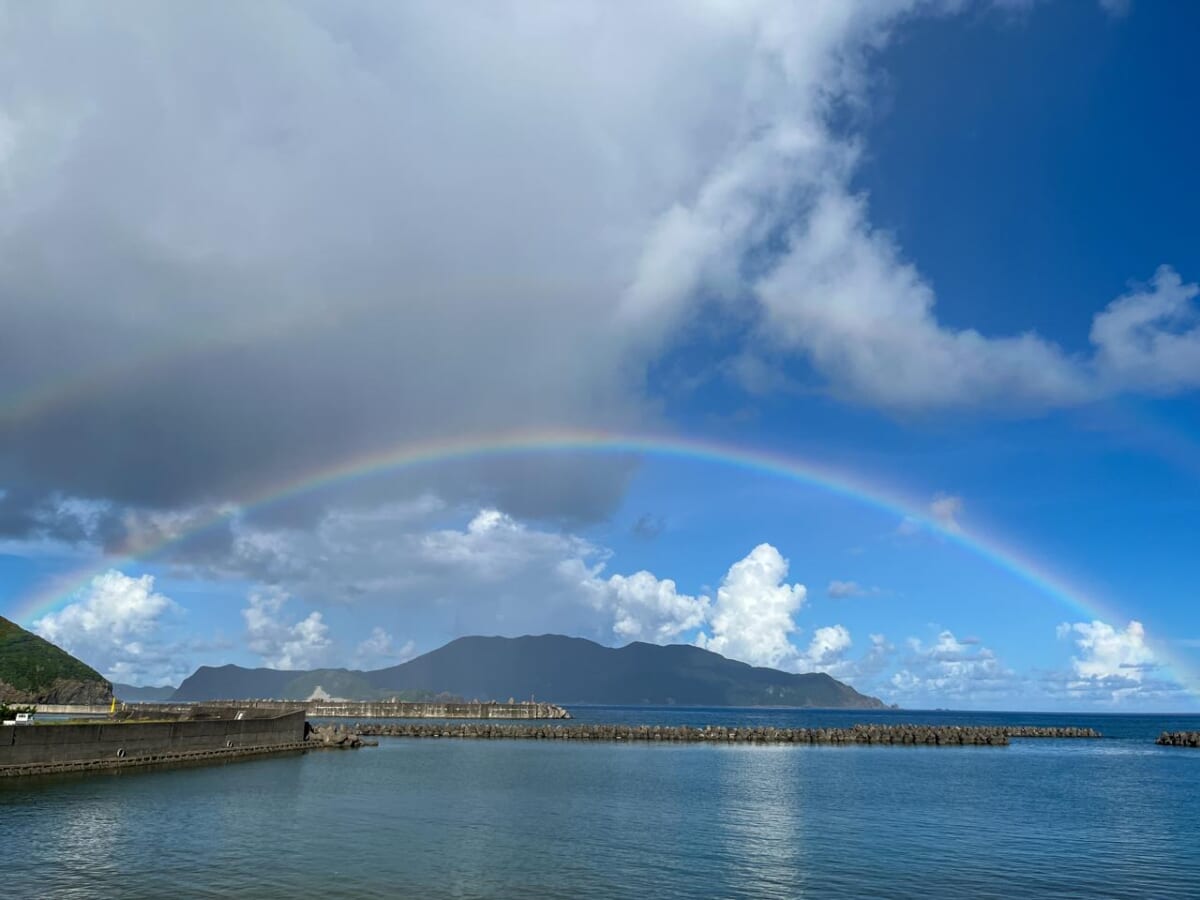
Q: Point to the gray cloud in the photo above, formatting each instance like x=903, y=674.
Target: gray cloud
x=241, y=242
x=648, y=526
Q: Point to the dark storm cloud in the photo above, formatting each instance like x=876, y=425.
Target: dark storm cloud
x=242, y=244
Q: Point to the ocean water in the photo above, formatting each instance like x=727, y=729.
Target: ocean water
x=447, y=819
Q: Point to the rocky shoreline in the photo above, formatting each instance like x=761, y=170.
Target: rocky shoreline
x=1179, y=739
x=928, y=735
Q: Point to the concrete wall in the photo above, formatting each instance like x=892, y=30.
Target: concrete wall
x=376, y=710
x=48, y=744
x=366, y=710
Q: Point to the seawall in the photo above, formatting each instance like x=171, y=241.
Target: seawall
x=932, y=735
x=51, y=747
x=362, y=709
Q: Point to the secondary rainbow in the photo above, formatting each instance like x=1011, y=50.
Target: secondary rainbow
x=412, y=455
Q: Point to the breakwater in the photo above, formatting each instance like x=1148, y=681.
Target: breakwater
x=929, y=735
x=1179, y=739
x=337, y=737
x=367, y=709
x=114, y=744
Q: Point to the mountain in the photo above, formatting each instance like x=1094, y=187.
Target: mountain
x=550, y=667
x=235, y=683
x=131, y=693
x=33, y=670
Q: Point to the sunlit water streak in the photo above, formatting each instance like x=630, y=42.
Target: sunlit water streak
x=458, y=819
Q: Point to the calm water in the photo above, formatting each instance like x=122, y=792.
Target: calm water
x=1110, y=818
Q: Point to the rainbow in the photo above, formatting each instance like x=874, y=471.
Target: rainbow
x=1003, y=555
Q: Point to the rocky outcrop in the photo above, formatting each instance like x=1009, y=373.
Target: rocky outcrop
x=926, y=735
x=61, y=691
x=1179, y=739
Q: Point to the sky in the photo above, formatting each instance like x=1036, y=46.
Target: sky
x=860, y=338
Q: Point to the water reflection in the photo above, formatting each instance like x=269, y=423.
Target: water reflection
x=761, y=829
x=443, y=819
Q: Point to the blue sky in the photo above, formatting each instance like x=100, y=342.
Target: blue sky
x=946, y=249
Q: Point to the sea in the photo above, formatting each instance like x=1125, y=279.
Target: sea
x=1111, y=818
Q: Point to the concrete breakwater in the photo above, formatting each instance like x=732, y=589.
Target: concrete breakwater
x=367, y=709
x=932, y=735
x=1179, y=739
x=112, y=744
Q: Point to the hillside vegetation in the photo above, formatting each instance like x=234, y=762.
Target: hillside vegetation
x=33, y=670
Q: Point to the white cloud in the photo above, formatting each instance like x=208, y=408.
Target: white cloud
x=646, y=608
x=752, y=619
x=298, y=645
x=1150, y=337
x=1110, y=660
x=115, y=624
x=945, y=510
x=826, y=651
x=952, y=669
x=495, y=546
x=842, y=590
x=379, y=650
x=844, y=297
x=495, y=575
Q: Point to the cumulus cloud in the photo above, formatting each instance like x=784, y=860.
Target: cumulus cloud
x=752, y=619
x=494, y=545
x=282, y=645
x=951, y=669
x=1150, y=337
x=826, y=650
x=864, y=317
x=1110, y=660
x=115, y=624
x=647, y=608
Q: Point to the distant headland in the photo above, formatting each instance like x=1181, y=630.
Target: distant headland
x=566, y=670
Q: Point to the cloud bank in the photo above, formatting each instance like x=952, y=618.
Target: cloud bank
x=283, y=234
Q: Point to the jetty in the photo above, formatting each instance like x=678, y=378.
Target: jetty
x=889, y=735
x=1179, y=739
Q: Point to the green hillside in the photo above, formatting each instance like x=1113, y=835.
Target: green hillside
x=33, y=670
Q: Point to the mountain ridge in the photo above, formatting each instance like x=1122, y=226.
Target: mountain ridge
x=550, y=667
